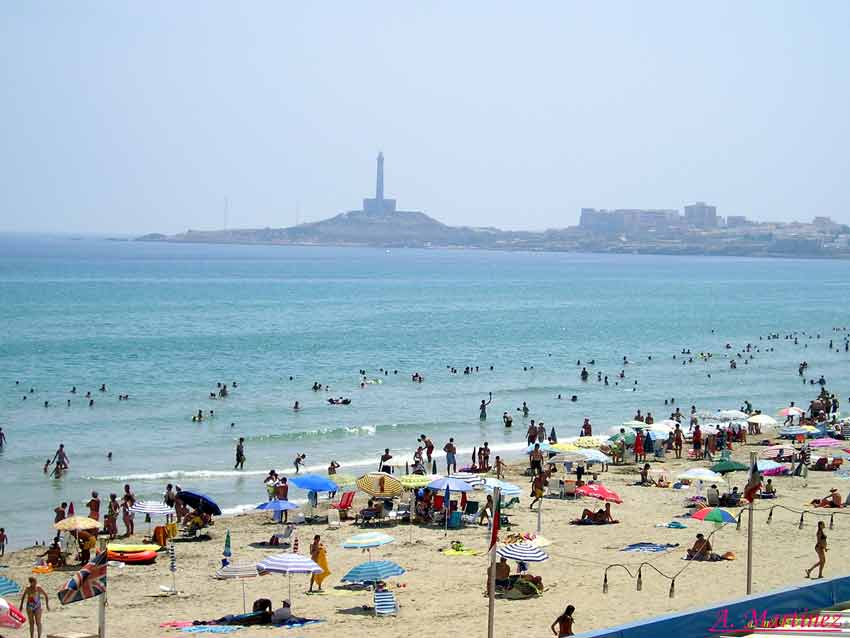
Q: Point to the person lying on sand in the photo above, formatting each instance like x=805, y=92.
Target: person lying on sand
x=599, y=517
x=833, y=499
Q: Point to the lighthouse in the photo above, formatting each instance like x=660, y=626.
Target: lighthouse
x=379, y=205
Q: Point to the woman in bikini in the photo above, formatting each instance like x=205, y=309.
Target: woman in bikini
x=820, y=550
x=31, y=599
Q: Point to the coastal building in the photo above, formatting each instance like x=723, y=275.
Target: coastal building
x=736, y=221
x=628, y=220
x=701, y=215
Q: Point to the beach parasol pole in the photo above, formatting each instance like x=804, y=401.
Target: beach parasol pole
x=753, y=461
x=540, y=515
x=101, y=608
x=491, y=579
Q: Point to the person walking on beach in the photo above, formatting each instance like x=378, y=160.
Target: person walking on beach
x=319, y=555
x=482, y=409
x=240, y=454
x=451, y=456
x=531, y=434
x=110, y=521
x=31, y=601
x=563, y=625
x=677, y=441
x=820, y=550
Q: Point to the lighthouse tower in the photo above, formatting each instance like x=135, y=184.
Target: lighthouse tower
x=379, y=205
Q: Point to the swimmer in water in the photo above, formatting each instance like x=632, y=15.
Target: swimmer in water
x=482, y=409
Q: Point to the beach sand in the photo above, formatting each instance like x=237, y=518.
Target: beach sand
x=443, y=595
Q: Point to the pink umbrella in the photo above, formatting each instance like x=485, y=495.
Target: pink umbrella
x=792, y=410
x=826, y=442
x=10, y=616
x=776, y=450
x=597, y=490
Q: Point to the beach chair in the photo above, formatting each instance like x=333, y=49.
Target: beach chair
x=385, y=603
x=333, y=519
x=569, y=489
x=455, y=520
x=345, y=504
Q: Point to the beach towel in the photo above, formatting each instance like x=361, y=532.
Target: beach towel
x=322, y=561
x=650, y=548
x=299, y=622
x=176, y=624
x=672, y=525
x=459, y=552
x=211, y=629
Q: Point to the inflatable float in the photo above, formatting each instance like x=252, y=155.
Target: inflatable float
x=132, y=558
x=10, y=616
x=129, y=549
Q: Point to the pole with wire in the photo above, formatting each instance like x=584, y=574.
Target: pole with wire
x=753, y=461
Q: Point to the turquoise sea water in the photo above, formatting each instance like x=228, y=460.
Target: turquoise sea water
x=164, y=323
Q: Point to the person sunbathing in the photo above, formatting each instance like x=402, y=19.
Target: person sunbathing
x=701, y=549
x=54, y=556
x=833, y=499
x=644, y=476
x=599, y=517
x=769, y=491
x=372, y=510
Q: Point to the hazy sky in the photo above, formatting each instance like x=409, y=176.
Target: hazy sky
x=143, y=116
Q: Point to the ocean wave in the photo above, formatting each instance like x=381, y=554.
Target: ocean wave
x=353, y=430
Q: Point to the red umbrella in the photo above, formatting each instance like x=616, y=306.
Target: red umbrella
x=597, y=490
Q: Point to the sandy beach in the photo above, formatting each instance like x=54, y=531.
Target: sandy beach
x=445, y=593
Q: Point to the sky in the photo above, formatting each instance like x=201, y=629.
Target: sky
x=136, y=117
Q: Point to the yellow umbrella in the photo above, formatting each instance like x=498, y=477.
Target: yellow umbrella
x=414, y=481
x=589, y=441
x=380, y=484
x=564, y=447
x=76, y=523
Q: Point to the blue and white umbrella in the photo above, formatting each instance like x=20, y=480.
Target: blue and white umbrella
x=238, y=571
x=595, y=456
x=8, y=586
x=452, y=483
x=544, y=447
x=373, y=571
x=468, y=477
x=508, y=489
x=277, y=505
x=523, y=552
x=289, y=564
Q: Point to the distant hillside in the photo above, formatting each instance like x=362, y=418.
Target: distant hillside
x=358, y=228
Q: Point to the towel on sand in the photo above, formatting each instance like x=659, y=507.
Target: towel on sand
x=649, y=547
x=300, y=622
x=211, y=629
x=672, y=525
x=459, y=552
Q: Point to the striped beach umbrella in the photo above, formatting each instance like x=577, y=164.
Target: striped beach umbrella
x=380, y=485
x=367, y=540
x=508, y=489
x=153, y=508
x=373, y=571
x=289, y=564
x=523, y=552
x=238, y=571
x=8, y=586
x=475, y=480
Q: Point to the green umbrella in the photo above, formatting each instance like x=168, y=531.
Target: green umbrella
x=628, y=435
x=724, y=467
x=227, y=553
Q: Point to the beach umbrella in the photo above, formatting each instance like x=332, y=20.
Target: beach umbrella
x=226, y=551
x=700, y=474
x=380, y=484
x=151, y=508
x=729, y=466
x=238, y=571
x=629, y=436
x=415, y=481
x=450, y=483
x=367, y=541
x=289, y=564
x=508, y=489
x=564, y=447
x=200, y=502
x=10, y=616
x=277, y=505
x=595, y=456
x=8, y=586
x=314, y=483
x=373, y=571
x=589, y=441
x=791, y=410
x=76, y=524
x=524, y=552
x=568, y=457
x=713, y=515
x=775, y=451
x=763, y=420
x=474, y=480
x=826, y=442
x=731, y=415
x=597, y=490
x=633, y=424
x=766, y=465
x=544, y=447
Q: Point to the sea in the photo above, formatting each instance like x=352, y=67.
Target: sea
x=165, y=323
